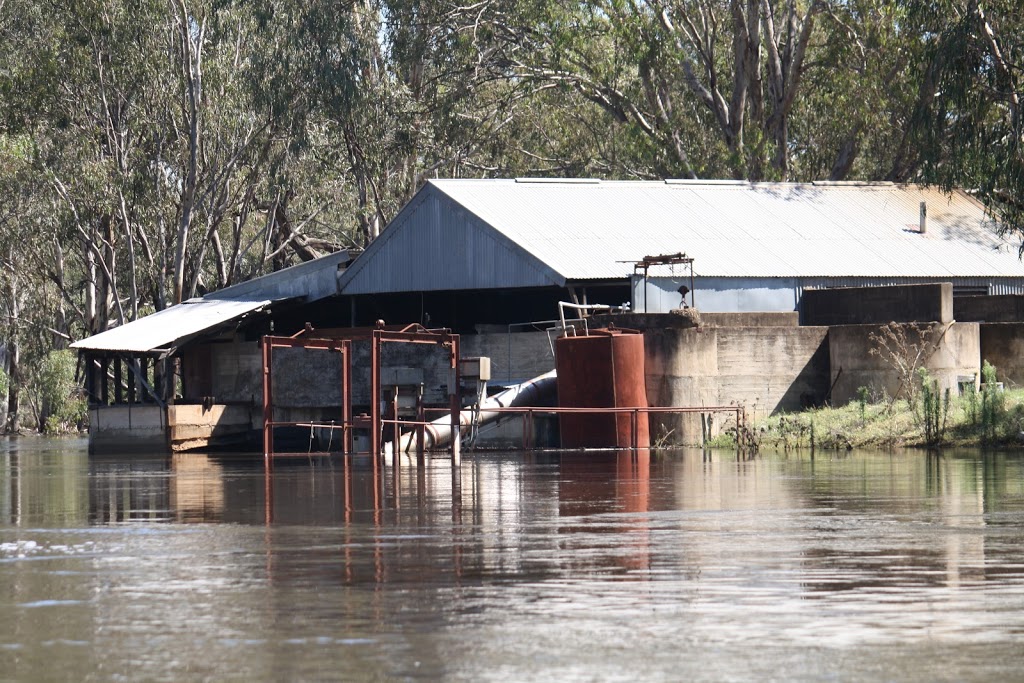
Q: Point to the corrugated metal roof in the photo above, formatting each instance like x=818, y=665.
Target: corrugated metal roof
x=584, y=231
x=309, y=281
x=167, y=328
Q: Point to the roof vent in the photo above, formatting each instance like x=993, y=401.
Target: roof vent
x=923, y=220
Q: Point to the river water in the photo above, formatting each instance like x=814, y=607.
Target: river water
x=684, y=566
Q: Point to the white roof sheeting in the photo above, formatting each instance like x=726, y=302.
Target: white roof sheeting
x=743, y=229
x=167, y=328
x=585, y=231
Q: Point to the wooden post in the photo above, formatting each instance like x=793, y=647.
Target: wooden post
x=118, y=394
x=104, y=385
x=133, y=381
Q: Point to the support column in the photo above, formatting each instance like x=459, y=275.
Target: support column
x=375, y=431
x=455, y=394
x=268, y=408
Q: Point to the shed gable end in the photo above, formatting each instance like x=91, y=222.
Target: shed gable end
x=439, y=245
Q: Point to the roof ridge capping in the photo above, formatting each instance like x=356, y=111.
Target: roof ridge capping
x=853, y=183
x=556, y=181
x=815, y=183
x=705, y=181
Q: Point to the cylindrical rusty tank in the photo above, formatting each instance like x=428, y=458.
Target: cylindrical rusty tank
x=604, y=369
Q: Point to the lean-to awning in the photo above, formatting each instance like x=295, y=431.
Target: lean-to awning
x=171, y=327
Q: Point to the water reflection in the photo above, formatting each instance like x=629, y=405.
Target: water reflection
x=571, y=566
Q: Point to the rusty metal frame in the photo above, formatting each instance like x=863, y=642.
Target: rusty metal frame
x=341, y=340
x=644, y=264
x=415, y=334
x=344, y=346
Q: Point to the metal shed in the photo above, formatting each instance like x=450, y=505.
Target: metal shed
x=756, y=245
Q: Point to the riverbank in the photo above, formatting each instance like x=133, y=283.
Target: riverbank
x=990, y=419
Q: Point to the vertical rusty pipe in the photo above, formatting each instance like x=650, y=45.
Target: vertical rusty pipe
x=346, y=397
x=268, y=497
x=421, y=416
x=268, y=408
x=375, y=432
x=396, y=432
x=456, y=401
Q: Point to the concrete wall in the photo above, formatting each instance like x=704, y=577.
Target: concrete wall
x=853, y=365
x=197, y=426
x=515, y=357
x=767, y=369
x=1006, y=308
x=751, y=319
x=237, y=372
x=878, y=305
x=1002, y=345
x=138, y=429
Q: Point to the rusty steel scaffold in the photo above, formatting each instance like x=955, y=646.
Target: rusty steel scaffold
x=340, y=341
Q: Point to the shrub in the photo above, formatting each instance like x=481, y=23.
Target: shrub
x=63, y=401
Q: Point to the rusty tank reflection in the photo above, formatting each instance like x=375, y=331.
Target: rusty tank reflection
x=609, y=492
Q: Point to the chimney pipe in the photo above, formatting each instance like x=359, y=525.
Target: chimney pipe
x=924, y=218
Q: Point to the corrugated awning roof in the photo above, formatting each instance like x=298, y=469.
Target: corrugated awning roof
x=309, y=281
x=172, y=326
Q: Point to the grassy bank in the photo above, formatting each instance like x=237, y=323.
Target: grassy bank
x=989, y=418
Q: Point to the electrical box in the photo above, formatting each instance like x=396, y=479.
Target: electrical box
x=476, y=368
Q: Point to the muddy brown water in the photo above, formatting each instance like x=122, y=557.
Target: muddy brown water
x=864, y=566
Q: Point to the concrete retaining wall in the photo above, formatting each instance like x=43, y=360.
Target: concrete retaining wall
x=767, y=369
x=878, y=305
x=140, y=429
x=758, y=319
x=1002, y=345
x=1005, y=308
x=196, y=426
x=853, y=365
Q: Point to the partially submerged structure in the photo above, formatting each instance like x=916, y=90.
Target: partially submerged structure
x=491, y=259
x=188, y=376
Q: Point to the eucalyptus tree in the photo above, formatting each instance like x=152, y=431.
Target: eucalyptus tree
x=967, y=129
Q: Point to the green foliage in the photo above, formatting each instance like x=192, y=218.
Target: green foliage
x=968, y=124
x=64, y=405
x=993, y=405
x=934, y=409
x=972, y=405
x=863, y=395
x=937, y=419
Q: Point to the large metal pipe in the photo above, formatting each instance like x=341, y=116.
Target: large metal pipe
x=439, y=432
